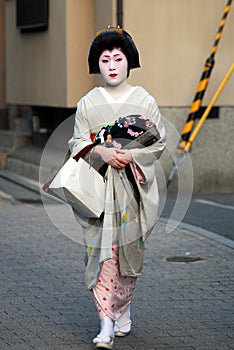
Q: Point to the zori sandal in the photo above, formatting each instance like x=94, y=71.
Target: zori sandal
x=103, y=342
x=122, y=330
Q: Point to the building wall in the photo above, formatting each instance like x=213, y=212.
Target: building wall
x=174, y=39
x=36, y=62
x=47, y=68
x=79, y=32
x=211, y=152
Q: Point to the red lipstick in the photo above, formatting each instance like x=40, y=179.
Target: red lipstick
x=113, y=75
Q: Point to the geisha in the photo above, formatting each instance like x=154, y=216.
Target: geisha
x=115, y=241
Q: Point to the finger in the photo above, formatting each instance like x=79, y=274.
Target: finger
x=123, y=161
x=119, y=151
x=118, y=164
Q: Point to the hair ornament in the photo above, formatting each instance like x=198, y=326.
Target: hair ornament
x=116, y=29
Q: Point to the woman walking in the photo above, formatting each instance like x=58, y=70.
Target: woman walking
x=115, y=241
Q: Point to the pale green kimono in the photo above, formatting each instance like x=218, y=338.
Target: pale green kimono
x=125, y=221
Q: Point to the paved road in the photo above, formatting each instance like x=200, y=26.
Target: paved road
x=45, y=304
x=212, y=212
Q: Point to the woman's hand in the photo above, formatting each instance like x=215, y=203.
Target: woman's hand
x=115, y=157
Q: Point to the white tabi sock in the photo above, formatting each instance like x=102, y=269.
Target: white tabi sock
x=107, y=330
x=123, y=323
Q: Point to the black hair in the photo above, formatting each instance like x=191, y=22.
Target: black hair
x=110, y=39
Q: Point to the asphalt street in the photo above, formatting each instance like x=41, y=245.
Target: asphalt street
x=46, y=306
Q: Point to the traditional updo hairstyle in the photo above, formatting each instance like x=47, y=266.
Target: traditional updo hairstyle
x=109, y=39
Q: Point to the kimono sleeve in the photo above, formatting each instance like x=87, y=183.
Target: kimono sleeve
x=146, y=157
x=81, y=132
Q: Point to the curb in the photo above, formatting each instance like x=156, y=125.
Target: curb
x=26, y=183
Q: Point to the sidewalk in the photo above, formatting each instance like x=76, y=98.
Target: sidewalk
x=45, y=304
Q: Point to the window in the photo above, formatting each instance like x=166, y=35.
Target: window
x=32, y=15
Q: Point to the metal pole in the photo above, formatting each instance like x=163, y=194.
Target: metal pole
x=120, y=13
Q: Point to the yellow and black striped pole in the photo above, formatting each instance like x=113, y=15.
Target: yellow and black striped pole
x=208, y=108
x=203, y=83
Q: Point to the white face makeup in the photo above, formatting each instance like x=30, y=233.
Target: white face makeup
x=113, y=67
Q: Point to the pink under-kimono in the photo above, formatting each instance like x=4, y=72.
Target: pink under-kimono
x=113, y=292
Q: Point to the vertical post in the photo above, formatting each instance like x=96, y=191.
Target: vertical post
x=120, y=13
